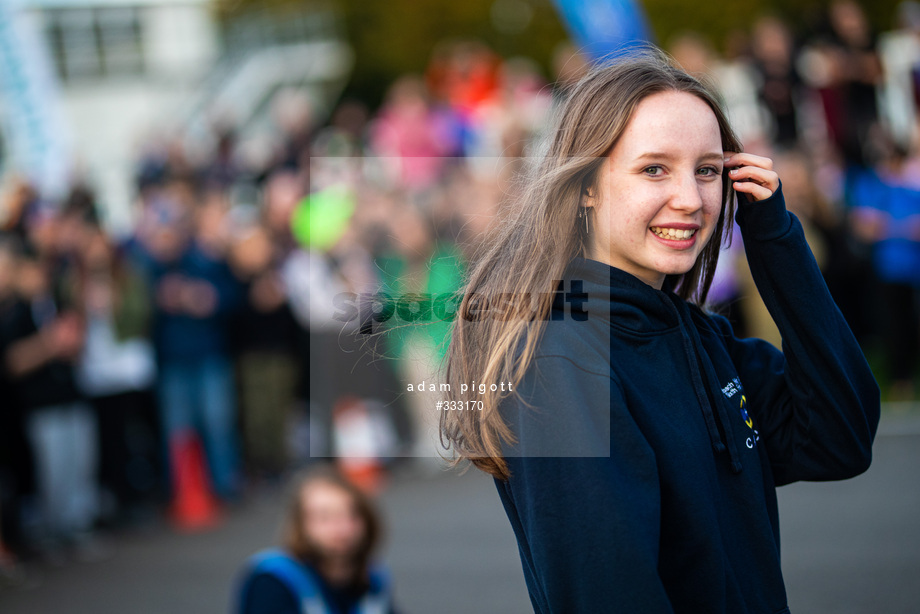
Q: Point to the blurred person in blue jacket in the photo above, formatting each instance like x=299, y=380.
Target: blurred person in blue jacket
x=181, y=243
x=885, y=213
x=325, y=563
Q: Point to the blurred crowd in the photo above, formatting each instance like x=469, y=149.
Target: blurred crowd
x=836, y=108
x=221, y=318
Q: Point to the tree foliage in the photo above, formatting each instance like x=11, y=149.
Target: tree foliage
x=394, y=37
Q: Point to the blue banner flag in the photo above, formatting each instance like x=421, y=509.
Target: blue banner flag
x=31, y=110
x=600, y=27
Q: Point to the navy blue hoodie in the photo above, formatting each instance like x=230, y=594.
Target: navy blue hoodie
x=667, y=503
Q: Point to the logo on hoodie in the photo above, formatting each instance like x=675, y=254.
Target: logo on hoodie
x=744, y=414
x=731, y=389
x=755, y=436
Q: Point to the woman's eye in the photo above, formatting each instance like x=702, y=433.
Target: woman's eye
x=708, y=171
x=653, y=171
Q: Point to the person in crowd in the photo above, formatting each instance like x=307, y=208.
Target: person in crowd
x=43, y=337
x=415, y=263
x=329, y=539
x=117, y=373
x=851, y=99
x=899, y=52
x=411, y=135
x=505, y=123
x=635, y=442
x=885, y=214
x=778, y=82
x=13, y=446
x=265, y=334
x=182, y=248
x=345, y=134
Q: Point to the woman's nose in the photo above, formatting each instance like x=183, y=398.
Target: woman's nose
x=687, y=196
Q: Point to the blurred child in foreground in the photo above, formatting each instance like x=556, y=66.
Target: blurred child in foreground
x=329, y=534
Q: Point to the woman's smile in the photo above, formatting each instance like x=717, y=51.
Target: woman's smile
x=678, y=233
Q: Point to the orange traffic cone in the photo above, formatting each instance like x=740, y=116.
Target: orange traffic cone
x=193, y=506
x=356, y=448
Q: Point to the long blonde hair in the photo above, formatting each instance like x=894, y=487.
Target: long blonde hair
x=543, y=233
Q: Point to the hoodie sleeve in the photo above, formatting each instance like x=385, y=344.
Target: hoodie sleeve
x=817, y=401
x=583, y=494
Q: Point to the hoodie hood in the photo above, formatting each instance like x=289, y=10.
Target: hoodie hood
x=625, y=301
x=631, y=310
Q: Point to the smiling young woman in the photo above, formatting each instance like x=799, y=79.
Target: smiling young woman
x=638, y=454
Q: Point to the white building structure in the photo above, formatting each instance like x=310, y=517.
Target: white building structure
x=87, y=80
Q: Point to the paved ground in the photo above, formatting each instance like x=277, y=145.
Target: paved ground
x=853, y=547
x=848, y=548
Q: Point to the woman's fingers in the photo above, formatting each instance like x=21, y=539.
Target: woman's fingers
x=738, y=159
x=757, y=192
x=752, y=174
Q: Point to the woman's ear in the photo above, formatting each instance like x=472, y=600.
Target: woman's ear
x=588, y=197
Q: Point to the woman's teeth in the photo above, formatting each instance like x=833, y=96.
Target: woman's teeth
x=673, y=234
